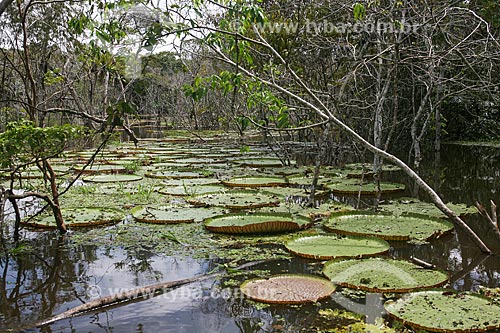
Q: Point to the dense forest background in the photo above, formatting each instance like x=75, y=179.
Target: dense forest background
x=404, y=74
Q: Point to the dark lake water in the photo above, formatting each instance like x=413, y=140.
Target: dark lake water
x=57, y=275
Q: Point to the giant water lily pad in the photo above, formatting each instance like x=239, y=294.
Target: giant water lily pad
x=235, y=200
x=382, y=275
x=353, y=187
x=256, y=223
x=173, y=174
x=288, y=289
x=259, y=162
x=446, y=311
x=173, y=214
x=387, y=226
x=411, y=205
x=190, y=182
x=191, y=190
x=79, y=217
x=101, y=168
x=112, y=178
x=323, y=210
x=325, y=247
x=255, y=182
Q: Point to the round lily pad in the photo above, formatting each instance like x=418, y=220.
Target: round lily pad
x=256, y=223
x=382, y=275
x=351, y=186
x=446, y=311
x=191, y=190
x=255, y=182
x=288, y=289
x=325, y=247
x=412, y=205
x=173, y=214
x=79, y=217
x=235, y=200
x=387, y=226
x=190, y=182
x=102, y=168
x=173, y=174
x=112, y=178
x=259, y=162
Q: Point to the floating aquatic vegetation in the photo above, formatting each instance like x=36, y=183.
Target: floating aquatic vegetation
x=190, y=182
x=446, y=311
x=353, y=187
x=325, y=247
x=173, y=214
x=177, y=174
x=323, y=210
x=79, y=217
x=288, y=289
x=387, y=226
x=411, y=205
x=256, y=223
x=101, y=168
x=190, y=190
x=259, y=162
x=235, y=200
x=255, y=182
x=382, y=275
x=113, y=178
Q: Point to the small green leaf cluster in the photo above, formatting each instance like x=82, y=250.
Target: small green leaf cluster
x=23, y=143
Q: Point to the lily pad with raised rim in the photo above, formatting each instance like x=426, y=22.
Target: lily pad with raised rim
x=190, y=182
x=326, y=247
x=255, y=182
x=173, y=214
x=191, y=190
x=79, y=217
x=353, y=187
x=382, y=275
x=259, y=162
x=174, y=174
x=446, y=311
x=117, y=178
x=256, y=223
x=412, y=205
x=235, y=200
x=288, y=289
x=388, y=226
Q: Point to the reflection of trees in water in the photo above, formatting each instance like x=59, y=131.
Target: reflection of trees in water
x=36, y=281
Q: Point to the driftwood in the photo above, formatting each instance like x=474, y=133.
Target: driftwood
x=145, y=292
x=492, y=219
x=422, y=263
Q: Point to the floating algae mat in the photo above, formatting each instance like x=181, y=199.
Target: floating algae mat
x=387, y=226
x=256, y=223
x=382, y=275
x=235, y=200
x=80, y=217
x=255, y=182
x=112, y=178
x=446, y=311
x=325, y=247
x=191, y=190
x=174, y=214
x=350, y=186
x=288, y=289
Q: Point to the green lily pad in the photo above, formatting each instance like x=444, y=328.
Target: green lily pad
x=325, y=247
x=112, y=178
x=201, y=160
x=256, y=223
x=191, y=190
x=323, y=210
x=411, y=205
x=308, y=179
x=102, y=168
x=290, y=170
x=259, y=162
x=353, y=187
x=255, y=182
x=288, y=289
x=79, y=217
x=173, y=214
x=173, y=174
x=287, y=192
x=446, y=311
x=190, y=182
x=381, y=275
x=387, y=226
x=235, y=200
